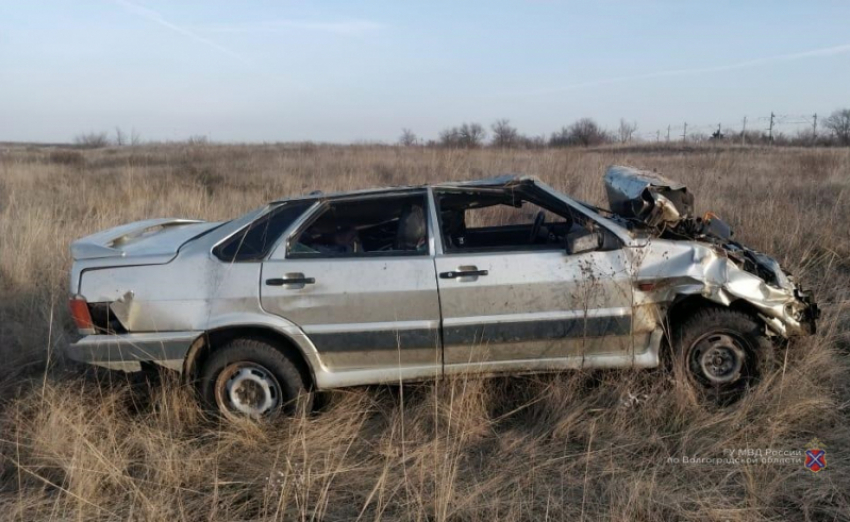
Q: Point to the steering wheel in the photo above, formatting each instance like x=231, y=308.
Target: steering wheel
x=535, y=229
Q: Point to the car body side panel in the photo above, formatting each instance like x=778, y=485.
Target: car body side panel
x=362, y=313
x=181, y=295
x=539, y=306
x=152, y=298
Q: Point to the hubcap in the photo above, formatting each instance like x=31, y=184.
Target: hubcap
x=248, y=388
x=719, y=358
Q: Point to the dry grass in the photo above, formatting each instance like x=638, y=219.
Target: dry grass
x=571, y=446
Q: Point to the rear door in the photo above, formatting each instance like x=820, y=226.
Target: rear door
x=358, y=277
x=511, y=302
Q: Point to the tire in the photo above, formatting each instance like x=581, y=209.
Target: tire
x=721, y=353
x=249, y=377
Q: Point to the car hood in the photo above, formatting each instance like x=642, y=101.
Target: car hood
x=152, y=238
x=647, y=196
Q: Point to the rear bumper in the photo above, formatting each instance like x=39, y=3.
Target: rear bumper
x=126, y=351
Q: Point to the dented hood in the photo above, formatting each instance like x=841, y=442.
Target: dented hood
x=647, y=196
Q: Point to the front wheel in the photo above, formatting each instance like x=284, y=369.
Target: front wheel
x=721, y=353
x=252, y=378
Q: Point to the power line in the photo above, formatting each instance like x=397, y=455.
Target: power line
x=772, y=130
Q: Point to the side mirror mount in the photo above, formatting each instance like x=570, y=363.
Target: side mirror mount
x=581, y=241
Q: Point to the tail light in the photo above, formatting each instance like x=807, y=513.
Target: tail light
x=81, y=315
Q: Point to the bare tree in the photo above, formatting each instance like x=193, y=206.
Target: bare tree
x=584, y=132
x=120, y=137
x=839, y=123
x=91, y=140
x=135, y=138
x=468, y=135
x=407, y=138
x=532, y=142
x=626, y=130
x=472, y=135
x=698, y=137
x=450, y=137
x=504, y=135
x=560, y=138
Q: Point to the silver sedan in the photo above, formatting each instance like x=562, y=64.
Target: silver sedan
x=501, y=275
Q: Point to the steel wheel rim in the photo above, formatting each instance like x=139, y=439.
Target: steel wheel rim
x=719, y=358
x=247, y=389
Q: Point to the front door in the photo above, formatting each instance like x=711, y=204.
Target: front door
x=358, y=278
x=514, y=299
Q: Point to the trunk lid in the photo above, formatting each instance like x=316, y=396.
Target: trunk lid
x=151, y=238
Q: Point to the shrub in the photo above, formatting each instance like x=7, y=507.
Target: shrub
x=92, y=140
x=71, y=158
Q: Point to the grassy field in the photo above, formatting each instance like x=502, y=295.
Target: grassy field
x=564, y=447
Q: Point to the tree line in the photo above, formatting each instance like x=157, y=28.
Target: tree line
x=586, y=132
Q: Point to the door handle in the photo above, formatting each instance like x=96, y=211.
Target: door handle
x=280, y=281
x=463, y=273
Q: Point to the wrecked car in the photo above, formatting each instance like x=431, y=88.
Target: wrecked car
x=495, y=276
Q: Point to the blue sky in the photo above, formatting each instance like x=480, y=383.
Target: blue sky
x=347, y=71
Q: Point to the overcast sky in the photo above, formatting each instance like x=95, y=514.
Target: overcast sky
x=348, y=71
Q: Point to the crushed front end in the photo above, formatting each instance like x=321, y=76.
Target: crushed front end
x=690, y=255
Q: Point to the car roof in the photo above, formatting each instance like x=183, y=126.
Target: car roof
x=503, y=181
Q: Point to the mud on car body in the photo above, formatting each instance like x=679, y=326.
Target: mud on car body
x=501, y=275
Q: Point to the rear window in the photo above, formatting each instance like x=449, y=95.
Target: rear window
x=254, y=241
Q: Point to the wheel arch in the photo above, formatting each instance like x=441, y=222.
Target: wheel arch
x=215, y=338
x=687, y=305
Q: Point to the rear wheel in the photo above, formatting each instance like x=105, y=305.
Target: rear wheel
x=722, y=353
x=252, y=378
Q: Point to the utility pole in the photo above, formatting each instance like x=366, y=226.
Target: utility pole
x=770, y=130
x=814, y=127
x=685, y=133
x=657, y=136
x=744, y=132
x=668, y=133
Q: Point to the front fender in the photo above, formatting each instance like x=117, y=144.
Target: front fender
x=670, y=270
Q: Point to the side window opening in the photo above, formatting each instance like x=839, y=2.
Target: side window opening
x=501, y=220
x=254, y=242
x=375, y=226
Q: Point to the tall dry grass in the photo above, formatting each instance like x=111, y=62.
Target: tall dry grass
x=569, y=446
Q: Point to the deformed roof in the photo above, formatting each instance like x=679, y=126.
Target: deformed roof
x=506, y=180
